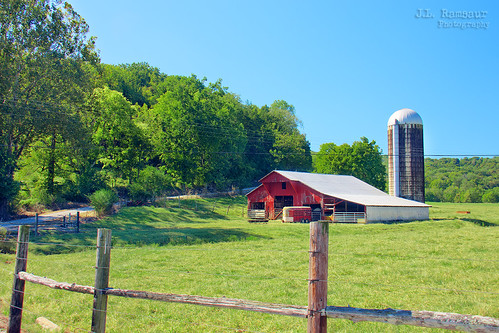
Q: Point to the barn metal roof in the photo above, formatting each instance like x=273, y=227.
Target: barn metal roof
x=348, y=188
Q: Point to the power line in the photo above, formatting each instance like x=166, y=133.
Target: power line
x=253, y=138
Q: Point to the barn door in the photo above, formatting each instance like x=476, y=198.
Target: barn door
x=280, y=202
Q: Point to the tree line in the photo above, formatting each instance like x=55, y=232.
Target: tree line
x=473, y=179
x=70, y=125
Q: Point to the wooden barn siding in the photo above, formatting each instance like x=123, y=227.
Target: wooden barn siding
x=272, y=187
x=261, y=194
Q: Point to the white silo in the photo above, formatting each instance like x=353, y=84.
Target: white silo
x=406, y=155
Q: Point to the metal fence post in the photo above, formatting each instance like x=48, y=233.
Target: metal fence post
x=36, y=224
x=77, y=222
x=16, y=304
x=317, y=277
x=103, y=261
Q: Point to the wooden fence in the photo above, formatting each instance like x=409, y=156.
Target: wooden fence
x=316, y=312
x=67, y=223
x=64, y=224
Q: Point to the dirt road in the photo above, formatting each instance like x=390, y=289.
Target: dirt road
x=13, y=224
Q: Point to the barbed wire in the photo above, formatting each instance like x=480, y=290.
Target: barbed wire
x=412, y=257
x=402, y=287
x=246, y=276
x=40, y=315
x=188, y=247
x=336, y=280
x=114, y=312
x=182, y=321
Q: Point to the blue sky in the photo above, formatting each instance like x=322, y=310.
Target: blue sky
x=346, y=66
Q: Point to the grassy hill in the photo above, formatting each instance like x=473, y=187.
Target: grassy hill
x=206, y=247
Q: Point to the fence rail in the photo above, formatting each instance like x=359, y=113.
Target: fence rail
x=316, y=312
x=257, y=215
x=66, y=223
x=349, y=217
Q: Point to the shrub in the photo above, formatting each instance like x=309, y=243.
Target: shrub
x=491, y=195
x=103, y=200
x=151, y=183
x=6, y=245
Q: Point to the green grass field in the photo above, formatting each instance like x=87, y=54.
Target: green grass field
x=447, y=264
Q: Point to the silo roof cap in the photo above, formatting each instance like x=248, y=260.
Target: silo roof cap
x=405, y=116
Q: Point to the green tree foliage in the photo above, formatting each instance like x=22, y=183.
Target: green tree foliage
x=122, y=146
x=151, y=183
x=69, y=125
x=75, y=173
x=44, y=56
x=362, y=159
x=195, y=133
x=462, y=180
x=138, y=82
x=258, y=160
x=291, y=150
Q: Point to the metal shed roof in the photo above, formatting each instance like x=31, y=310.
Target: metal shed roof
x=348, y=188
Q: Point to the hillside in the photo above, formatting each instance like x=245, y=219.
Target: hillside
x=473, y=179
x=206, y=247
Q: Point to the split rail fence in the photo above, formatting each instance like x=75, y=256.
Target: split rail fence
x=317, y=312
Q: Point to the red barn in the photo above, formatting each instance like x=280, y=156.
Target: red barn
x=340, y=198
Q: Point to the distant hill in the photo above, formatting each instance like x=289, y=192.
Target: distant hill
x=473, y=179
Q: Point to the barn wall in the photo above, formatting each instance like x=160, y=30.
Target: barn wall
x=272, y=187
x=304, y=195
x=379, y=214
x=257, y=195
x=260, y=194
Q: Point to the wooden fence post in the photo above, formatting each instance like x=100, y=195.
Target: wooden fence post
x=103, y=261
x=16, y=304
x=317, y=277
x=77, y=222
x=36, y=224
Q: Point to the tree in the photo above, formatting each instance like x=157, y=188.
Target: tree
x=462, y=180
x=195, y=132
x=149, y=184
x=258, y=160
x=291, y=150
x=362, y=159
x=44, y=54
x=122, y=146
x=138, y=82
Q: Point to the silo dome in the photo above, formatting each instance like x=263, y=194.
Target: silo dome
x=405, y=116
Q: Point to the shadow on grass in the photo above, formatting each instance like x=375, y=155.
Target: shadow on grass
x=146, y=236
x=393, y=222
x=481, y=223
x=142, y=226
